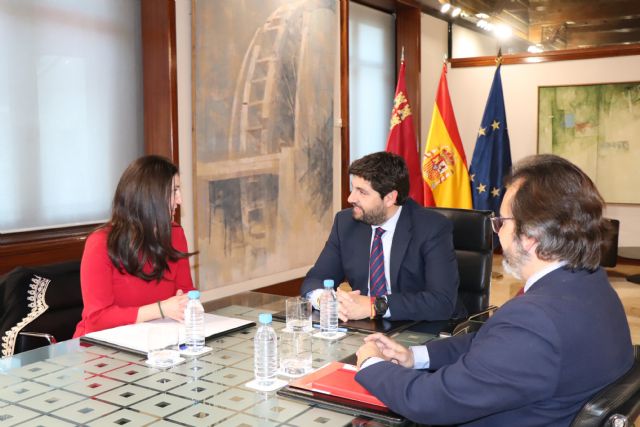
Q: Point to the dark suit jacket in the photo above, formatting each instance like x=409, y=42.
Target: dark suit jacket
x=534, y=363
x=423, y=266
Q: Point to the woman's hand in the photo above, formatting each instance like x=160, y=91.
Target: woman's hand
x=174, y=307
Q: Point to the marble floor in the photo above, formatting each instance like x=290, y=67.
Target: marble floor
x=504, y=287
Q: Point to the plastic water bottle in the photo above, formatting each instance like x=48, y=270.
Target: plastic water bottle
x=328, y=310
x=194, y=322
x=265, y=351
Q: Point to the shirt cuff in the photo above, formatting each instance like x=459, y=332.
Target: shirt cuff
x=314, y=297
x=421, y=358
x=387, y=314
x=371, y=361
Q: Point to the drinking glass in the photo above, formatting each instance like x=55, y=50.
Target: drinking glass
x=295, y=352
x=299, y=314
x=162, y=345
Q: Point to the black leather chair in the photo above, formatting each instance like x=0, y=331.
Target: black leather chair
x=617, y=405
x=39, y=305
x=473, y=243
x=609, y=250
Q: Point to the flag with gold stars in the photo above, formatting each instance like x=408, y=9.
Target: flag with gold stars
x=402, y=137
x=444, y=164
x=491, y=160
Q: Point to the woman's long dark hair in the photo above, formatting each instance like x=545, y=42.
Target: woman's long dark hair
x=141, y=219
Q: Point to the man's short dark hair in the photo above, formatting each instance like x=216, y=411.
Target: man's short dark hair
x=558, y=205
x=385, y=171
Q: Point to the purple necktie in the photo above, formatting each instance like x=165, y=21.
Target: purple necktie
x=377, y=279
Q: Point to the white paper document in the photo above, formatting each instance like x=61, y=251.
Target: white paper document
x=135, y=336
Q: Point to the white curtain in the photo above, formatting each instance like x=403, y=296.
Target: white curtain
x=371, y=78
x=70, y=108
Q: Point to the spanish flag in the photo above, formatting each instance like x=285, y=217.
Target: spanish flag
x=402, y=137
x=444, y=165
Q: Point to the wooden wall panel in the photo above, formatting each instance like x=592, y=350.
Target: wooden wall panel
x=408, y=36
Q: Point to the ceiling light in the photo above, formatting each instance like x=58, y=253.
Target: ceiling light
x=482, y=15
x=445, y=7
x=534, y=49
x=503, y=31
x=456, y=12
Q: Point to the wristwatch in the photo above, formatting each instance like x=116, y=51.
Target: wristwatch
x=381, y=306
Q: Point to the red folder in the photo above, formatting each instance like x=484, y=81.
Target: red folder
x=338, y=379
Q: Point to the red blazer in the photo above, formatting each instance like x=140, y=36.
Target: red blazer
x=112, y=298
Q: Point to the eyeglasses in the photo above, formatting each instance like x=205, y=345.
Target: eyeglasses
x=497, y=222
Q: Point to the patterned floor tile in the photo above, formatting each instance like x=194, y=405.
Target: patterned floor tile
x=46, y=421
x=195, y=368
x=85, y=411
x=14, y=415
x=102, y=365
x=233, y=355
x=51, y=400
x=21, y=391
x=163, y=381
x=93, y=385
x=35, y=370
x=198, y=390
x=124, y=417
x=126, y=395
x=131, y=373
x=62, y=377
x=316, y=417
x=201, y=415
x=7, y=380
x=245, y=365
x=75, y=359
x=235, y=399
x=276, y=409
x=244, y=420
x=224, y=342
x=230, y=376
x=162, y=405
x=246, y=334
x=245, y=347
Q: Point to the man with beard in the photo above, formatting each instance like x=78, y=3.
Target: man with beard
x=543, y=354
x=397, y=256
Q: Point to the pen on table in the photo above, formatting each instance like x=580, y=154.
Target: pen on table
x=339, y=329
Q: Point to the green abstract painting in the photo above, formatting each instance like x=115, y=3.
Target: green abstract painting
x=597, y=127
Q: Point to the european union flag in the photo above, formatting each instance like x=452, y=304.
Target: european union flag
x=492, y=156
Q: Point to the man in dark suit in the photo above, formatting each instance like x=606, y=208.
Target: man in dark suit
x=543, y=354
x=397, y=256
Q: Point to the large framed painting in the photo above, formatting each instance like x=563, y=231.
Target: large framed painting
x=265, y=85
x=597, y=127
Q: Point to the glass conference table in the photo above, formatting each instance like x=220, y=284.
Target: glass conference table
x=70, y=383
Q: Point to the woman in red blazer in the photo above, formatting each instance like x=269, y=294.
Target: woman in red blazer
x=136, y=268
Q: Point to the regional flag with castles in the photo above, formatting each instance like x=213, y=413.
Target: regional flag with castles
x=402, y=137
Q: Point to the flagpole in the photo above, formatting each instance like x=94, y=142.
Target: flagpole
x=402, y=55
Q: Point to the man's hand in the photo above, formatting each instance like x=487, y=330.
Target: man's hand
x=367, y=350
x=390, y=350
x=353, y=306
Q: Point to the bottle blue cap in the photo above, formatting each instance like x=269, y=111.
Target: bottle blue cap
x=264, y=318
x=328, y=283
x=194, y=294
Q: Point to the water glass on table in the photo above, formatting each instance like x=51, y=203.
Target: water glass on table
x=295, y=352
x=298, y=312
x=162, y=345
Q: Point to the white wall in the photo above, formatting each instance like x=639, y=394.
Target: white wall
x=470, y=87
x=434, y=49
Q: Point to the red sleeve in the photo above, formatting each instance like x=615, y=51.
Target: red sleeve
x=96, y=273
x=183, y=273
